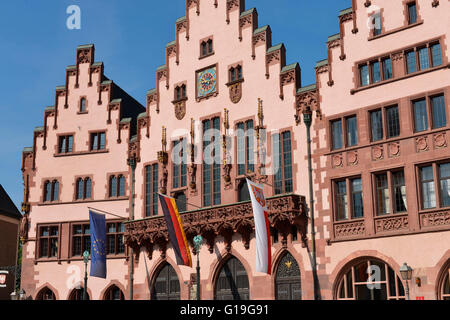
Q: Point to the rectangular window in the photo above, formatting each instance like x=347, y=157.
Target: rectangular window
x=412, y=13
x=428, y=191
x=424, y=61
x=376, y=123
x=48, y=241
x=245, y=152
x=65, y=144
x=436, y=57
x=383, y=198
x=377, y=24
x=81, y=239
x=357, y=199
x=364, y=74
x=151, y=190
x=282, y=154
x=352, y=131
x=211, y=162
x=336, y=131
x=393, y=122
x=341, y=200
x=420, y=115
x=98, y=141
x=398, y=183
x=387, y=68
x=444, y=176
x=376, y=72
x=114, y=238
x=411, y=61
x=438, y=112
x=179, y=164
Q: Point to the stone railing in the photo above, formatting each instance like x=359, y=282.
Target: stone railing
x=226, y=220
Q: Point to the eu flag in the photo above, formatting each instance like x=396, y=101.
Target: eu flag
x=98, y=244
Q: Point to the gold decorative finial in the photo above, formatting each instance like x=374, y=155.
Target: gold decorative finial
x=260, y=112
x=164, y=138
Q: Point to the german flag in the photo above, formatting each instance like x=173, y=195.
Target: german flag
x=176, y=231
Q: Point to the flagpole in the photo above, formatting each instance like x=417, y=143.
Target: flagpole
x=100, y=211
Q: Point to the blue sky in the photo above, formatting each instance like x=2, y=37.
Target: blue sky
x=129, y=37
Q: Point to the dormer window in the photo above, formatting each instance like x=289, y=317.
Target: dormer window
x=206, y=48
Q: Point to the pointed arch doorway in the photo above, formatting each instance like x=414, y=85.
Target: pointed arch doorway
x=288, y=279
x=232, y=282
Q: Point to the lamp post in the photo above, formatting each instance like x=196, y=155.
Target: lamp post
x=86, y=260
x=198, y=243
x=132, y=164
x=406, y=272
x=307, y=118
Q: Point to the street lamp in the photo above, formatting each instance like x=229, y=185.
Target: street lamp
x=86, y=260
x=406, y=273
x=198, y=240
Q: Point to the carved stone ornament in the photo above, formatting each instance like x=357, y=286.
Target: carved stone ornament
x=377, y=153
x=440, y=141
x=237, y=218
x=180, y=110
x=235, y=92
x=391, y=224
x=24, y=226
x=421, y=144
x=394, y=149
x=352, y=158
x=349, y=229
x=337, y=160
x=192, y=170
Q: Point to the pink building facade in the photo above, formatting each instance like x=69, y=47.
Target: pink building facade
x=227, y=105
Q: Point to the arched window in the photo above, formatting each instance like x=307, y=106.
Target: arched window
x=444, y=288
x=77, y=294
x=287, y=279
x=113, y=293
x=232, y=282
x=232, y=75
x=113, y=186
x=80, y=189
x=83, y=188
x=51, y=191
x=46, y=294
x=204, y=49
x=243, y=193
x=47, y=191
x=121, y=186
x=370, y=279
x=166, y=285
x=83, y=105
x=210, y=46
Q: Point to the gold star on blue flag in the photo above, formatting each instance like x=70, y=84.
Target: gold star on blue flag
x=98, y=244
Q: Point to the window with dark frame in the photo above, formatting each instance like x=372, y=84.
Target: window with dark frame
x=387, y=184
x=352, y=131
x=364, y=75
x=98, y=141
x=114, y=238
x=206, y=48
x=180, y=200
x=180, y=92
x=211, y=162
x=376, y=125
x=424, y=57
x=114, y=293
x=336, y=132
x=432, y=109
x=243, y=192
x=342, y=198
x=48, y=241
x=151, y=190
x=245, y=145
x=81, y=239
x=51, y=191
x=427, y=187
x=376, y=22
x=282, y=155
x=65, y=144
x=83, y=189
x=444, y=183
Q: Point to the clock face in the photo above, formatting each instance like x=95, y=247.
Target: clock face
x=206, y=82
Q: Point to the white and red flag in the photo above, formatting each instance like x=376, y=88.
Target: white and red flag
x=262, y=227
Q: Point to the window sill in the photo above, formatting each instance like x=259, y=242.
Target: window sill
x=82, y=112
x=206, y=55
x=409, y=26
x=180, y=189
x=211, y=95
x=179, y=100
x=80, y=153
x=406, y=76
x=234, y=82
x=81, y=201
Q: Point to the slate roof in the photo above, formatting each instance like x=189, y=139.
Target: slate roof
x=7, y=206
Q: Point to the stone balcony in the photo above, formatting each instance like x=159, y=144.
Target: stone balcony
x=225, y=220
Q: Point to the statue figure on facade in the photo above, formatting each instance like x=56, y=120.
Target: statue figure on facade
x=163, y=181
